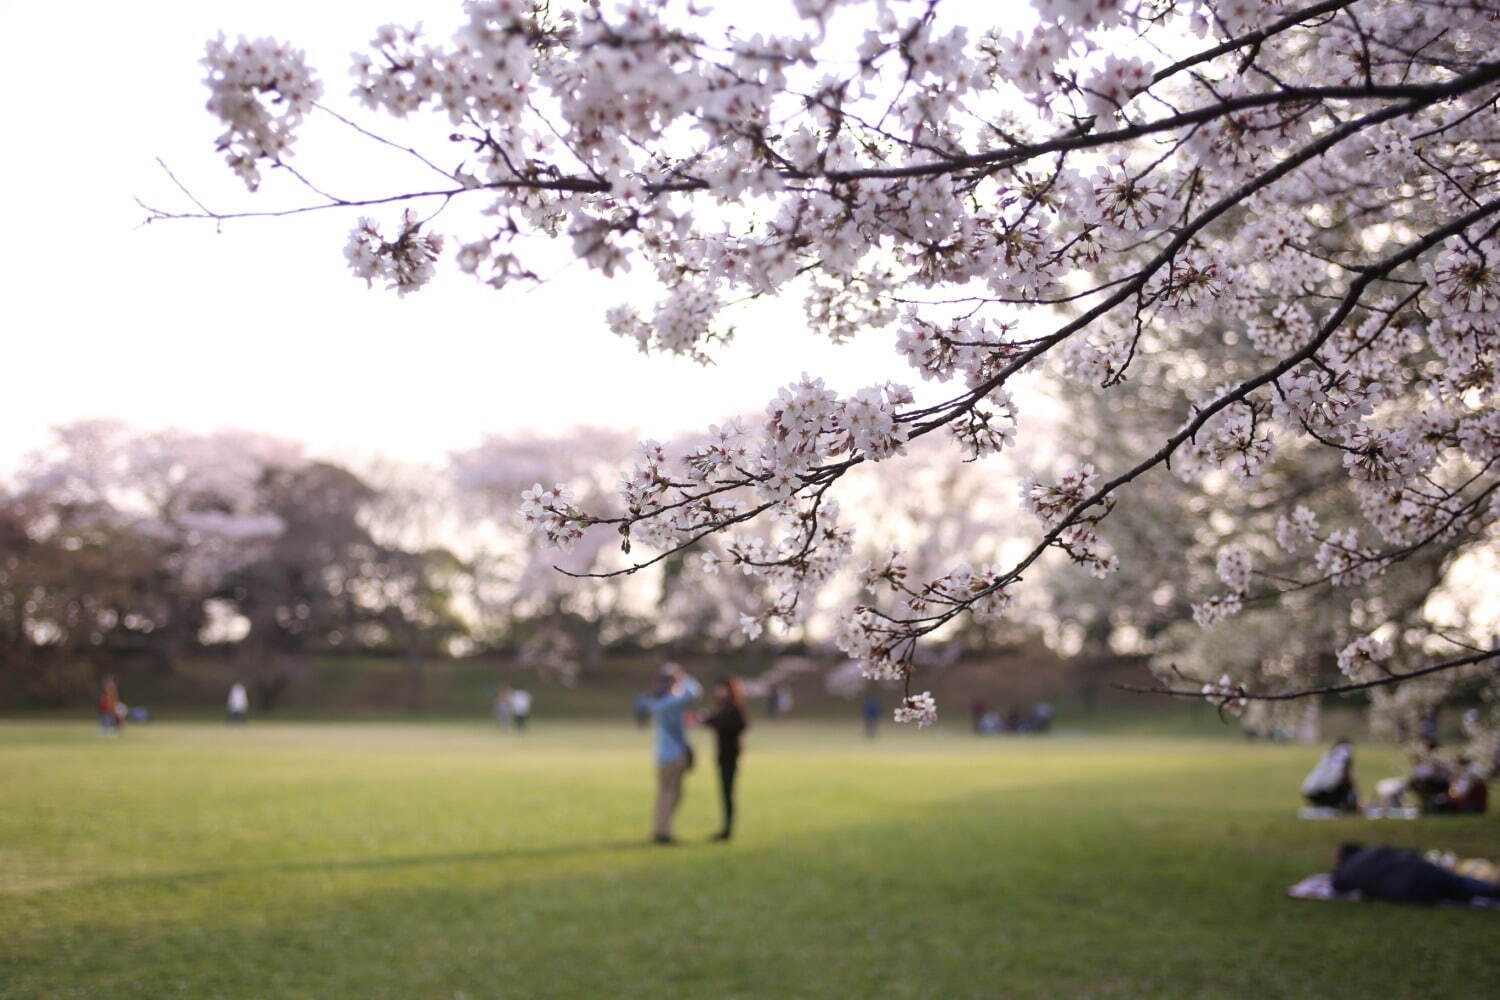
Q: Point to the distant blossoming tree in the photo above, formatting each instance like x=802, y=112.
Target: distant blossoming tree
x=545, y=601
x=1117, y=180
x=1181, y=537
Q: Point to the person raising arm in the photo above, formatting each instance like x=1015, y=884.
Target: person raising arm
x=675, y=690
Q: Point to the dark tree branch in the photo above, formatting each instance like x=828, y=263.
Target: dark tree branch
x=1239, y=694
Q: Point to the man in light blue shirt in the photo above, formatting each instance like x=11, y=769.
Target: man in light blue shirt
x=675, y=691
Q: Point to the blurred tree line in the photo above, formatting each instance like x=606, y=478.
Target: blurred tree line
x=119, y=548
x=123, y=549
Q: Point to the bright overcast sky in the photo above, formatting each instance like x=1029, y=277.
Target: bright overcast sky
x=261, y=326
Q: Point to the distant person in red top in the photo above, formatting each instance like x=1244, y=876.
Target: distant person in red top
x=111, y=709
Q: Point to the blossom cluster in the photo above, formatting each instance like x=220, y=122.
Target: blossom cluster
x=1362, y=656
x=878, y=637
x=404, y=263
x=1062, y=508
x=1226, y=693
x=261, y=90
x=1234, y=567
x=918, y=708
x=549, y=512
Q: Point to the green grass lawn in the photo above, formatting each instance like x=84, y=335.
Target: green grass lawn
x=365, y=860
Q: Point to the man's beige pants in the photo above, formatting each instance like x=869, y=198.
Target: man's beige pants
x=668, y=794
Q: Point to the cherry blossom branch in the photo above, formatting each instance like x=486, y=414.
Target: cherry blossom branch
x=1357, y=288
x=1239, y=194
x=1252, y=39
x=1072, y=141
x=1208, y=692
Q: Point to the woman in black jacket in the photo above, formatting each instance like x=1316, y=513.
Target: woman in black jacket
x=728, y=721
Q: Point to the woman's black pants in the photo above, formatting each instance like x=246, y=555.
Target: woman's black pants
x=727, y=768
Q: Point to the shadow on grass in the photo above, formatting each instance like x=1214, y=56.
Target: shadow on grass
x=540, y=853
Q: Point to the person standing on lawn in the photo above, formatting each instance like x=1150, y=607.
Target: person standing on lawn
x=520, y=708
x=238, y=705
x=674, y=691
x=728, y=721
x=111, y=709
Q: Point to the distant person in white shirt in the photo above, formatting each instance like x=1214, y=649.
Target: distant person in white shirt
x=520, y=707
x=239, y=703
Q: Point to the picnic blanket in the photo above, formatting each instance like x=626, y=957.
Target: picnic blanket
x=1369, y=812
x=1320, y=886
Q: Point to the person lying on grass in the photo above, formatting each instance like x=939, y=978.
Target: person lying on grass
x=1401, y=875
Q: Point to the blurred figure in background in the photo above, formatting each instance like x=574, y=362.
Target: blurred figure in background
x=520, y=708
x=1467, y=791
x=111, y=709
x=1430, y=776
x=871, y=713
x=1330, y=785
x=729, y=721
x=1310, y=728
x=1427, y=729
x=977, y=710
x=238, y=705
x=501, y=707
x=675, y=690
x=1041, y=717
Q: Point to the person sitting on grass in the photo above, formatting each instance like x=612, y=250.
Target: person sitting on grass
x=1403, y=876
x=1331, y=783
x=1467, y=793
x=1430, y=776
x=674, y=692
